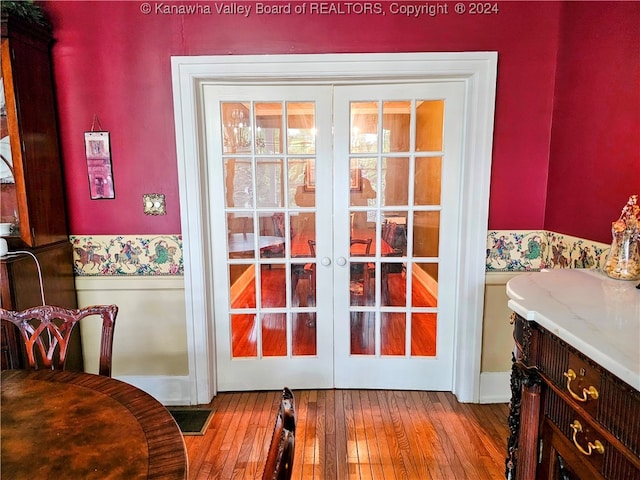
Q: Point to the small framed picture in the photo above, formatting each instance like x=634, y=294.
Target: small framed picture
x=98, y=153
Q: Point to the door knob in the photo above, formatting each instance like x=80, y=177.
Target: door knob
x=326, y=261
x=341, y=261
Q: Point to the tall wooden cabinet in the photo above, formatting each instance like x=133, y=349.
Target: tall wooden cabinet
x=32, y=187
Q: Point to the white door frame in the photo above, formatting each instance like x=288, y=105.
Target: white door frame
x=477, y=69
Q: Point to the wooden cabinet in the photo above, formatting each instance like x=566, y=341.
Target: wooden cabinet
x=32, y=126
x=572, y=418
x=32, y=189
x=575, y=420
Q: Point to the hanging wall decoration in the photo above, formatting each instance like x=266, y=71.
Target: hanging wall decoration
x=98, y=153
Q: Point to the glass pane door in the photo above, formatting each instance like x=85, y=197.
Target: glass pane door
x=273, y=149
x=398, y=149
x=334, y=252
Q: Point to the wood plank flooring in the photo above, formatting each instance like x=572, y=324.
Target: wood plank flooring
x=356, y=434
x=392, y=335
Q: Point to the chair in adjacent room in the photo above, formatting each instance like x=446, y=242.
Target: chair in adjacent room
x=310, y=269
x=389, y=234
x=361, y=292
x=365, y=251
x=361, y=273
x=389, y=231
x=279, y=464
x=46, y=331
x=276, y=251
x=306, y=272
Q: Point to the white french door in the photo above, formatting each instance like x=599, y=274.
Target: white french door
x=269, y=164
x=403, y=145
x=334, y=214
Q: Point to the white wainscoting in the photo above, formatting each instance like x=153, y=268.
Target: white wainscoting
x=168, y=390
x=495, y=387
x=497, y=340
x=150, y=339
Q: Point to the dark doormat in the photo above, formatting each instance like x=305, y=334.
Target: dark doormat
x=192, y=421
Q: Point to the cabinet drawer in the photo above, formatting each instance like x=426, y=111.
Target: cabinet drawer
x=590, y=445
x=607, y=400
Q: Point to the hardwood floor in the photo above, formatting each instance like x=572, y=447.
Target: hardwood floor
x=356, y=434
x=243, y=326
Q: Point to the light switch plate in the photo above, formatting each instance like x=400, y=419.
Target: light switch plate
x=154, y=204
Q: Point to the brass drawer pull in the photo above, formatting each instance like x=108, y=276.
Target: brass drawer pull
x=597, y=446
x=586, y=392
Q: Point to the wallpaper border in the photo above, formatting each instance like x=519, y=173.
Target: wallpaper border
x=127, y=255
x=507, y=251
x=523, y=251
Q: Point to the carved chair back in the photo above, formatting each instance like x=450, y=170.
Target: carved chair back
x=279, y=462
x=46, y=331
x=361, y=241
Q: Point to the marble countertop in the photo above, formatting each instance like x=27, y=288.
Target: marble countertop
x=595, y=314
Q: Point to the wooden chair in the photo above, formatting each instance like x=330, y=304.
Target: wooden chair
x=361, y=273
x=395, y=236
x=361, y=241
x=279, y=462
x=276, y=251
x=46, y=331
x=310, y=269
x=306, y=272
x=389, y=232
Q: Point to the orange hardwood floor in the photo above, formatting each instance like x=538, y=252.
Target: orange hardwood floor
x=244, y=339
x=350, y=434
x=355, y=434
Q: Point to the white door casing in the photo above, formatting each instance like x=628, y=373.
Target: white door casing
x=477, y=70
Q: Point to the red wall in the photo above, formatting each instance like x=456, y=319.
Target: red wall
x=595, y=143
x=114, y=61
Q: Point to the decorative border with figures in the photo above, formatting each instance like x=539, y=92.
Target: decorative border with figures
x=106, y=255
x=522, y=251
x=507, y=251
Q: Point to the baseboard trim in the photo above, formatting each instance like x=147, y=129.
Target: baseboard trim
x=495, y=387
x=176, y=390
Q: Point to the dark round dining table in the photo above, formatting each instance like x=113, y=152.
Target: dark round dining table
x=58, y=424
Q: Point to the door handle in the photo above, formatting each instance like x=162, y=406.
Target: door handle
x=326, y=261
x=341, y=261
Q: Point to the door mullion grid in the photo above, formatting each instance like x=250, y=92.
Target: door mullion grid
x=410, y=211
x=255, y=218
x=378, y=236
x=287, y=251
x=284, y=141
x=287, y=254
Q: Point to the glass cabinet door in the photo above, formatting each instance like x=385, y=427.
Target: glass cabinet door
x=31, y=182
x=9, y=224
